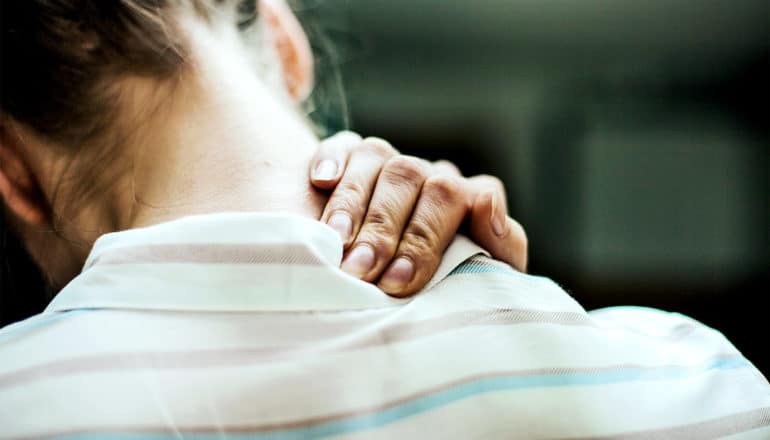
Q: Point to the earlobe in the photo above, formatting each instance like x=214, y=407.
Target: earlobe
x=292, y=45
x=18, y=187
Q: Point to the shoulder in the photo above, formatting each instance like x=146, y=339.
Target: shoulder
x=662, y=325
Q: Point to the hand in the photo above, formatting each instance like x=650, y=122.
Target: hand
x=397, y=214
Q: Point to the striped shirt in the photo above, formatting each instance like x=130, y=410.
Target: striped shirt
x=242, y=326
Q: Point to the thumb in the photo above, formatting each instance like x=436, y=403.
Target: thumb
x=510, y=246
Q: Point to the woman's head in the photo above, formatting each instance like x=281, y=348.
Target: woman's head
x=98, y=95
x=63, y=58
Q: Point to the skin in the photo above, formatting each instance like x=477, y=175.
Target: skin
x=221, y=138
x=397, y=214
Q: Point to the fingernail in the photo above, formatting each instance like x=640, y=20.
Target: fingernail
x=341, y=223
x=398, y=275
x=359, y=261
x=325, y=170
x=498, y=217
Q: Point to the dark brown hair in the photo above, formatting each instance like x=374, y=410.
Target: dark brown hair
x=60, y=61
x=60, y=56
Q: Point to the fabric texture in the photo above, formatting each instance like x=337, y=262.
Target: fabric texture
x=242, y=326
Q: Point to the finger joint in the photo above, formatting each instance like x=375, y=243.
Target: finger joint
x=404, y=169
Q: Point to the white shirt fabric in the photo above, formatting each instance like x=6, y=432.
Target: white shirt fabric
x=241, y=326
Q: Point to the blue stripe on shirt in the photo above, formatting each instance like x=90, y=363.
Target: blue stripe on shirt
x=438, y=399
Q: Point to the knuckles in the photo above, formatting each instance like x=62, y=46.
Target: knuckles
x=381, y=233
x=447, y=165
x=399, y=169
x=444, y=189
x=378, y=147
x=421, y=241
x=348, y=196
x=352, y=190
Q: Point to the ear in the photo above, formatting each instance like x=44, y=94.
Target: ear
x=18, y=186
x=292, y=46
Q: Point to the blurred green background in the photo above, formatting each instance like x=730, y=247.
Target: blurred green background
x=632, y=135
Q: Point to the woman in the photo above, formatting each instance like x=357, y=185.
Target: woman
x=89, y=172
x=202, y=318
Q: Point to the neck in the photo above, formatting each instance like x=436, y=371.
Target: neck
x=208, y=152
x=218, y=137
x=215, y=151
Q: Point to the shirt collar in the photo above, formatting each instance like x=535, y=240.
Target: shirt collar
x=229, y=262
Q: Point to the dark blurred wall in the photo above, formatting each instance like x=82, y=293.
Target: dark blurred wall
x=632, y=135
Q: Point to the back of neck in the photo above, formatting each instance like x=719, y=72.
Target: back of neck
x=216, y=150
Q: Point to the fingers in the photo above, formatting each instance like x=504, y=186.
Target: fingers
x=490, y=225
x=440, y=210
x=398, y=187
x=331, y=159
x=397, y=214
x=347, y=206
x=447, y=168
